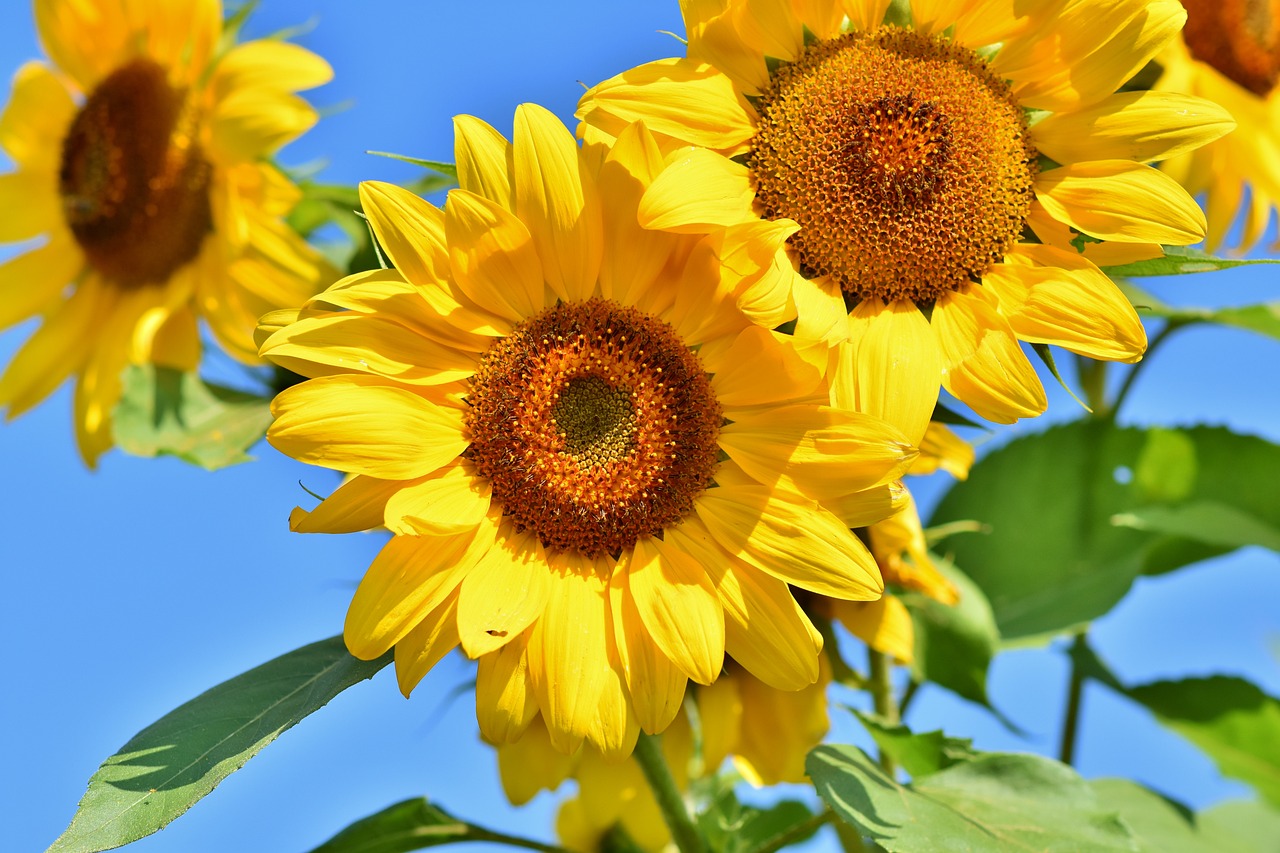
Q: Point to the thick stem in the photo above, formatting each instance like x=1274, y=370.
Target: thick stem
x=882, y=694
x=1075, y=695
x=649, y=756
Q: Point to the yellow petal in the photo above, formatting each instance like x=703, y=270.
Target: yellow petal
x=615, y=728
x=409, y=230
x=85, y=40
x=357, y=504
x=1122, y=201
x=678, y=605
x=484, y=159
x=504, y=593
x=1085, y=53
x=942, y=449
x=362, y=425
x=492, y=256
x=778, y=729
x=867, y=507
x=531, y=764
x=720, y=710
x=29, y=205
x=557, y=203
x=250, y=123
x=985, y=367
x=762, y=367
x=55, y=350
x=884, y=625
x=568, y=656
x=866, y=14
x=410, y=577
x=370, y=344
x=633, y=256
x=1138, y=126
x=820, y=309
x=684, y=100
x=656, y=685
x=180, y=36
x=792, y=538
x=895, y=365
x=33, y=280
x=450, y=500
x=697, y=192
x=825, y=452
x=273, y=65
x=36, y=119
x=504, y=696
x=430, y=640
x=1057, y=297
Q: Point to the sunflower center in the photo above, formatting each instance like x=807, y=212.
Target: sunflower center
x=1239, y=38
x=906, y=162
x=133, y=181
x=595, y=425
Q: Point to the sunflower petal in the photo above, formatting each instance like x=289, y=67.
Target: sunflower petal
x=697, y=192
x=895, y=341
x=1138, y=126
x=504, y=696
x=678, y=605
x=357, y=504
x=762, y=367
x=36, y=118
x=449, y=500
x=884, y=625
x=492, y=256
x=1122, y=201
x=504, y=593
x=429, y=641
x=656, y=685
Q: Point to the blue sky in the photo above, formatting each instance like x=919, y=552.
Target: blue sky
x=132, y=589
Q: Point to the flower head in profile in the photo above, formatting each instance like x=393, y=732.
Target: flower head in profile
x=1230, y=53
x=140, y=165
x=957, y=171
x=601, y=474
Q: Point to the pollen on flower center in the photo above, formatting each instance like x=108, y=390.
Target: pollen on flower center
x=595, y=425
x=905, y=160
x=134, y=183
x=1239, y=38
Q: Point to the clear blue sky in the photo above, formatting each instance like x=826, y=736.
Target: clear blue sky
x=132, y=589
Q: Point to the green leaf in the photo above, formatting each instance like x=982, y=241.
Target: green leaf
x=449, y=170
x=165, y=412
x=1161, y=825
x=1231, y=720
x=1046, y=356
x=408, y=825
x=1206, y=522
x=170, y=765
x=996, y=803
x=919, y=754
x=1241, y=825
x=1179, y=260
x=954, y=645
x=1062, y=510
x=1264, y=319
x=729, y=826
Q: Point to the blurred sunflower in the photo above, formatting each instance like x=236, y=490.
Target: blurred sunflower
x=602, y=473
x=140, y=159
x=1230, y=53
x=917, y=150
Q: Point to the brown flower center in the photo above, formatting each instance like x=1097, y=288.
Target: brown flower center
x=1239, y=38
x=134, y=183
x=904, y=159
x=595, y=425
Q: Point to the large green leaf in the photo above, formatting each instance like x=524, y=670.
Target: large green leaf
x=919, y=754
x=170, y=765
x=1162, y=825
x=1231, y=720
x=408, y=825
x=1180, y=260
x=1243, y=825
x=954, y=645
x=165, y=412
x=1063, y=510
x=996, y=803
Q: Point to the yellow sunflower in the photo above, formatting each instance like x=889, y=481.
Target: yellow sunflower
x=1230, y=53
x=923, y=152
x=140, y=157
x=601, y=473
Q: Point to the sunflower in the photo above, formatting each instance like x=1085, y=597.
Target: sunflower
x=945, y=163
x=601, y=474
x=141, y=168
x=1230, y=53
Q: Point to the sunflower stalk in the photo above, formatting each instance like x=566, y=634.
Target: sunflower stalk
x=649, y=756
x=881, y=686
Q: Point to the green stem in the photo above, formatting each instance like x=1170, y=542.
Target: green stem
x=1093, y=382
x=882, y=694
x=649, y=756
x=479, y=833
x=1075, y=696
x=908, y=695
x=797, y=832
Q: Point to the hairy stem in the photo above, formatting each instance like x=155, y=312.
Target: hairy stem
x=649, y=756
x=882, y=694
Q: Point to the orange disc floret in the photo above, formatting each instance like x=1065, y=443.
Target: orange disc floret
x=906, y=162
x=1239, y=38
x=595, y=425
x=134, y=183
